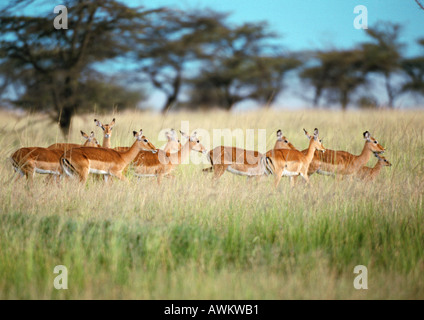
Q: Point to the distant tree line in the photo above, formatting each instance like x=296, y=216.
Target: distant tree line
x=198, y=59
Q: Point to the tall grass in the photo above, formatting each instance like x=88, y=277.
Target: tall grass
x=190, y=238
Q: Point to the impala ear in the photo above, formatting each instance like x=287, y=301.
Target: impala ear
x=112, y=123
x=307, y=134
x=135, y=133
x=99, y=124
x=279, y=134
x=316, y=134
x=92, y=134
x=184, y=135
x=367, y=135
x=84, y=134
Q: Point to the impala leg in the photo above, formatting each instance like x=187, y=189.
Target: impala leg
x=120, y=176
x=218, y=170
x=50, y=178
x=19, y=174
x=83, y=174
x=30, y=178
x=278, y=175
x=306, y=178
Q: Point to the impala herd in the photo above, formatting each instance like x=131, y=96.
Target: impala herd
x=74, y=160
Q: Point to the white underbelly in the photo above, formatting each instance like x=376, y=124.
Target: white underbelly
x=95, y=171
x=325, y=173
x=244, y=173
x=46, y=171
x=145, y=174
x=289, y=173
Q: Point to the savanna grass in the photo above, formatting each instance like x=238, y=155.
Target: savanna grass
x=190, y=238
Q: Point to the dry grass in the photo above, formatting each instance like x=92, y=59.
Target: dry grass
x=192, y=239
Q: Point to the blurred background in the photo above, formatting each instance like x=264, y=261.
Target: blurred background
x=169, y=55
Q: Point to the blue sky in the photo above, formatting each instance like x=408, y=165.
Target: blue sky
x=313, y=24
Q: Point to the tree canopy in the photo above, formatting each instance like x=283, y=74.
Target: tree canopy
x=112, y=51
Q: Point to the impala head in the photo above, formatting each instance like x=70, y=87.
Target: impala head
x=143, y=142
x=91, y=141
x=317, y=142
x=372, y=143
x=194, y=142
x=107, y=128
x=382, y=160
x=173, y=144
x=282, y=142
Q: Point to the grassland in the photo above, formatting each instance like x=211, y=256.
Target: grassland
x=192, y=239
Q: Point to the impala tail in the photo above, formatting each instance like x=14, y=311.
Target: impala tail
x=210, y=169
x=15, y=166
x=264, y=165
x=67, y=167
x=269, y=165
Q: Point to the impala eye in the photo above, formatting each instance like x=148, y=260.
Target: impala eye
x=286, y=141
x=145, y=140
x=198, y=141
x=375, y=141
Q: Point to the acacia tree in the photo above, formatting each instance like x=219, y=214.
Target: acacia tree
x=172, y=41
x=421, y=5
x=336, y=73
x=383, y=55
x=50, y=62
x=414, y=70
x=239, y=64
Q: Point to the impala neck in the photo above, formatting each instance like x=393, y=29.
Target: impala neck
x=106, y=142
x=377, y=168
x=364, y=157
x=292, y=147
x=181, y=155
x=311, y=151
x=131, y=153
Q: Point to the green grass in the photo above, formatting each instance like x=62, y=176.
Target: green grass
x=192, y=239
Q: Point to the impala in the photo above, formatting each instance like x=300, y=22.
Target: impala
x=163, y=163
x=28, y=161
x=85, y=160
x=344, y=163
x=173, y=145
x=369, y=174
x=91, y=142
x=241, y=161
x=107, y=130
x=292, y=163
